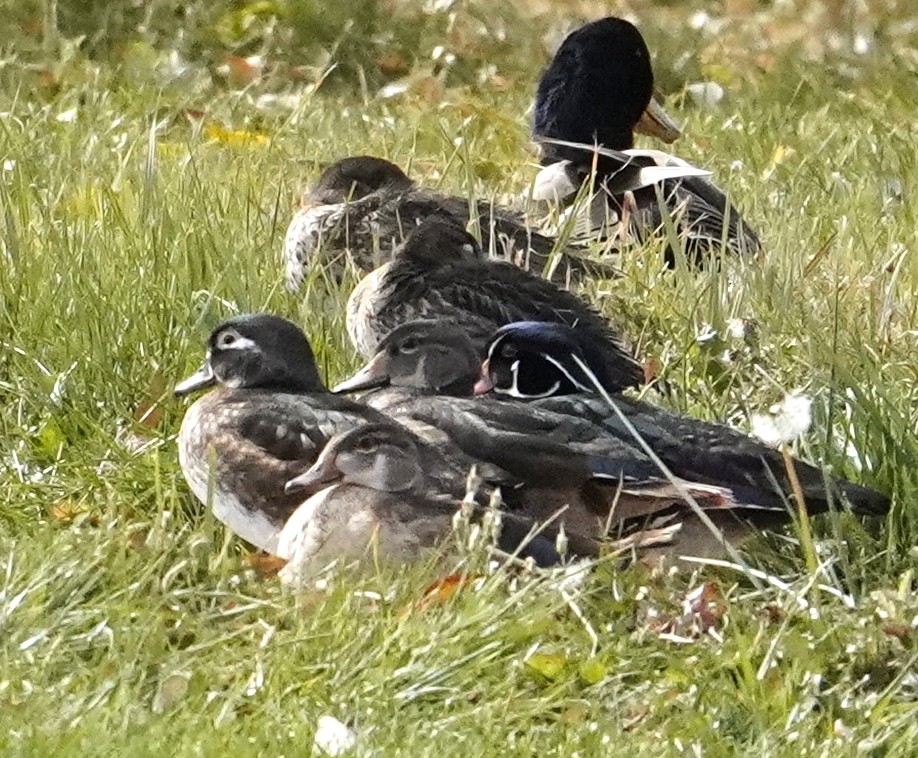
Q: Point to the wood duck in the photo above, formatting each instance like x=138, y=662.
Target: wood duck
x=362, y=207
x=548, y=364
x=438, y=274
x=267, y=420
x=595, y=92
x=381, y=489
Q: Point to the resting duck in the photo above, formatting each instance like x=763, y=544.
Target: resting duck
x=548, y=364
x=729, y=474
x=595, y=91
x=266, y=421
x=382, y=490
x=438, y=274
x=362, y=207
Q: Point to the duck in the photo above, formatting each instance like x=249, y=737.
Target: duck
x=564, y=430
x=551, y=368
x=266, y=419
x=438, y=273
x=361, y=207
x=380, y=491
x=594, y=93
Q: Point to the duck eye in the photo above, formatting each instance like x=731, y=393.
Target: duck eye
x=227, y=339
x=366, y=445
x=409, y=346
x=509, y=351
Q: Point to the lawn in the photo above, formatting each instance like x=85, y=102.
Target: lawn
x=148, y=168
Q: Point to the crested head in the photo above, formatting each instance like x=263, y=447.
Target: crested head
x=534, y=359
x=257, y=351
x=596, y=88
x=438, y=241
x=383, y=457
x=354, y=178
x=425, y=355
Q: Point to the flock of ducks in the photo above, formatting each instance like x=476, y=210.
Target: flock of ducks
x=475, y=363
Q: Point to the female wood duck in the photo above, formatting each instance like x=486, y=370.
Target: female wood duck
x=549, y=363
x=383, y=488
x=595, y=92
x=362, y=207
x=265, y=423
x=438, y=274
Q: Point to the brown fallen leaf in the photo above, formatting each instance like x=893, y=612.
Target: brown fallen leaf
x=264, y=564
x=443, y=589
x=897, y=629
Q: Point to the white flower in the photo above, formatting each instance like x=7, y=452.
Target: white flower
x=333, y=737
x=705, y=94
x=736, y=328
x=786, y=421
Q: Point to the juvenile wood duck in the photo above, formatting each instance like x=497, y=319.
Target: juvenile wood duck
x=362, y=207
x=438, y=274
x=544, y=363
x=382, y=487
x=596, y=91
x=267, y=420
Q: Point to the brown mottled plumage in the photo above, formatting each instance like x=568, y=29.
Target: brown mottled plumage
x=361, y=208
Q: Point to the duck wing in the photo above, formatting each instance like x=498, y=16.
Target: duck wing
x=712, y=453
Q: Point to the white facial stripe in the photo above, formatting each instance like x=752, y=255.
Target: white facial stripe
x=515, y=373
x=240, y=343
x=494, y=345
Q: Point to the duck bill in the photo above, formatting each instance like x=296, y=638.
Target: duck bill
x=484, y=383
x=322, y=473
x=200, y=379
x=371, y=376
x=656, y=122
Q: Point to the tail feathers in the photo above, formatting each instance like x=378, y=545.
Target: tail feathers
x=866, y=500
x=820, y=489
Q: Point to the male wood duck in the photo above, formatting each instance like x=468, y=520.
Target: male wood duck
x=438, y=274
x=595, y=91
x=362, y=207
x=730, y=475
x=548, y=364
x=267, y=420
x=382, y=490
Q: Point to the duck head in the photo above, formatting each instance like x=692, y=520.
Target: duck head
x=428, y=356
x=354, y=178
x=382, y=457
x=534, y=359
x=256, y=351
x=599, y=89
x=438, y=240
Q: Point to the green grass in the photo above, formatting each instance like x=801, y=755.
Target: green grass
x=128, y=623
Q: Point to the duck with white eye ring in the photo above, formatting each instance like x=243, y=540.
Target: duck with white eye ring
x=265, y=420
